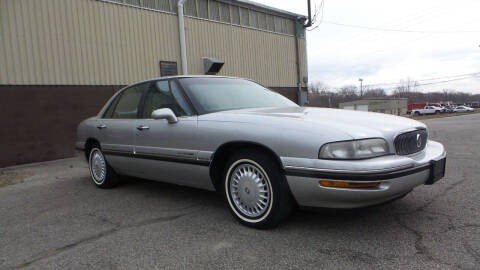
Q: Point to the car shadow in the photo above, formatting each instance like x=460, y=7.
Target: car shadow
x=385, y=213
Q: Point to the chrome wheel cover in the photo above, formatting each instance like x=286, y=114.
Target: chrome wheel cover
x=98, y=166
x=250, y=190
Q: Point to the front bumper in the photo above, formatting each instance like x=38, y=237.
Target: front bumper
x=396, y=175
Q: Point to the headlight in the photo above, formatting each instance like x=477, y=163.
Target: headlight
x=358, y=149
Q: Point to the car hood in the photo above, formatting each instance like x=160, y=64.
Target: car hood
x=355, y=124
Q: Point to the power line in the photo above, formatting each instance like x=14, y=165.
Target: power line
x=459, y=79
x=408, y=21
x=400, y=30
x=432, y=83
x=415, y=84
x=320, y=10
x=429, y=79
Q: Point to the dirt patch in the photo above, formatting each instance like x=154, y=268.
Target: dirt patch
x=11, y=177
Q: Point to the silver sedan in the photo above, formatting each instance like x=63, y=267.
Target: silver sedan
x=261, y=151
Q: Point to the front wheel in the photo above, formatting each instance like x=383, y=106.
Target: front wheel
x=256, y=189
x=101, y=173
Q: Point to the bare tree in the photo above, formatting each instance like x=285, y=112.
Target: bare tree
x=321, y=95
x=318, y=87
x=405, y=87
x=374, y=93
x=348, y=91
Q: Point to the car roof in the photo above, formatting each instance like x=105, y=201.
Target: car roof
x=189, y=76
x=183, y=76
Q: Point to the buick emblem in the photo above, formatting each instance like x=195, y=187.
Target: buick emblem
x=419, y=141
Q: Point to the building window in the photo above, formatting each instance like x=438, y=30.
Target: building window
x=168, y=68
x=221, y=12
x=224, y=12
x=213, y=13
x=290, y=27
x=270, y=23
x=152, y=4
x=244, y=17
x=132, y=2
x=235, y=15
x=253, y=18
x=278, y=24
x=169, y=5
x=202, y=6
x=262, y=21
x=191, y=8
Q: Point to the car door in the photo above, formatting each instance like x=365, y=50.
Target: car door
x=116, y=129
x=168, y=151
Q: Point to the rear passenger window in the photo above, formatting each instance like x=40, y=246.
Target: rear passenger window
x=127, y=105
x=111, y=107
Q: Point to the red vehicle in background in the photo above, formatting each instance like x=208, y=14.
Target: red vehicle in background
x=419, y=106
x=415, y=106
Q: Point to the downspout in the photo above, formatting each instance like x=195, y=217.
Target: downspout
x=181, y=31
x=302, y=95
x=297, y=67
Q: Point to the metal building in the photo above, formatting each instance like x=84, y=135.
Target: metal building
x=395, y=106
x=61, y=59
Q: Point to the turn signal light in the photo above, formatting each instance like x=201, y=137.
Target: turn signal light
x=337, y=184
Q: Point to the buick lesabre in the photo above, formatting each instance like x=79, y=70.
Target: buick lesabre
x=261, y=151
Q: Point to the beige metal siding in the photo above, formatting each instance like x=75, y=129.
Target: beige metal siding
x=88, y=42
x=268, y=58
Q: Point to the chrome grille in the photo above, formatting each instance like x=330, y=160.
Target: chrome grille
x=411, y=142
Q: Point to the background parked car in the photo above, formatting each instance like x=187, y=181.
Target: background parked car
x=427, y=110
x=463, y=109
x=449, y=109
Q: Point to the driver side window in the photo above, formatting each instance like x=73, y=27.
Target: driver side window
x=165, y=94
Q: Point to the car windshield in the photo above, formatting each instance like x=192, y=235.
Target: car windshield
x=210, y=94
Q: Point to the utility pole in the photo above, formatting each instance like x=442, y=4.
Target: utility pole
x=361, y=86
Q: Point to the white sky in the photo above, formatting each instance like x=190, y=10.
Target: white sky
x=340, y=55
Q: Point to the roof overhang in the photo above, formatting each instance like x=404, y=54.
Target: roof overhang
x=265, y=8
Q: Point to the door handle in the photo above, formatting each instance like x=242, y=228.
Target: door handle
x=143, y=127
x=102, y=126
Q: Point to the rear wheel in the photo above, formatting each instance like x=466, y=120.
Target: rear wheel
x=101, y=173
x=256, y=190
x=417, y=113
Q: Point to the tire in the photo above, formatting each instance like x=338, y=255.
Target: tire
x=254, y=177
x=437, y=112
x=102, y=175
x=417, y=113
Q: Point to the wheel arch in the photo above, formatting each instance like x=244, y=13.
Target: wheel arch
x=221, y=154
x=89, y=143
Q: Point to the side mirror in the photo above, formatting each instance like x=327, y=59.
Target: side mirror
x=165, y=113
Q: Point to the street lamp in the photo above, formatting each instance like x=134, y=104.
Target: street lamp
x=361, y=86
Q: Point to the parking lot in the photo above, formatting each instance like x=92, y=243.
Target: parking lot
x=51, y=216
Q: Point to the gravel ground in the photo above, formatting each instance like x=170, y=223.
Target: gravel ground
x=52, y=217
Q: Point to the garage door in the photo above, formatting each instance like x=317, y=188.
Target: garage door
x=362, y=108
x=348, y=108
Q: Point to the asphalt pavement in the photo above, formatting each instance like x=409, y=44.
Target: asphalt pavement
x=53, y=217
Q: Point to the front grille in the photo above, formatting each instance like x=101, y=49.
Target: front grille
x=411, y=142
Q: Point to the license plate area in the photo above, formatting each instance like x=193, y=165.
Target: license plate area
x=437, y=171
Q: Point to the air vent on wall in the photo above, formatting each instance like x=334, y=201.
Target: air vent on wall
x=211, y=66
